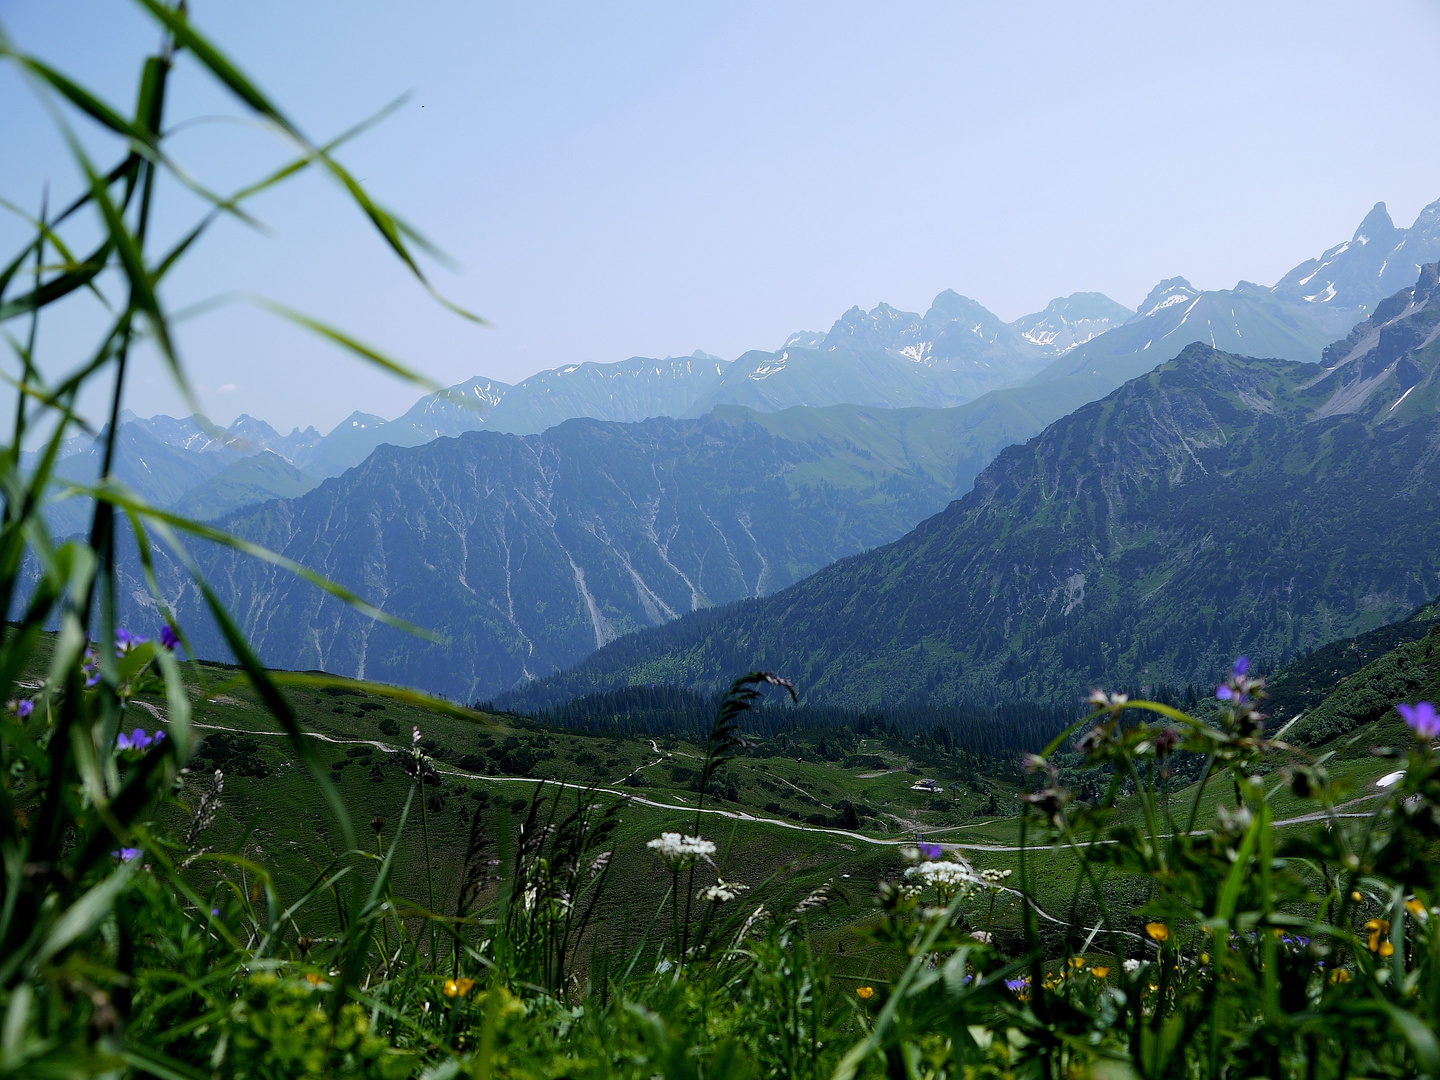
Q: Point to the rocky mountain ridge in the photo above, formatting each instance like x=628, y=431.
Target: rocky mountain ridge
x=1217, y=504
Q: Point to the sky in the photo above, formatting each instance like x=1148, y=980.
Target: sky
x=624, y=179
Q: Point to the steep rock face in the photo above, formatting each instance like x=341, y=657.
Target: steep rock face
x=529, y=552
x=1344, y=284
x=1215, y=505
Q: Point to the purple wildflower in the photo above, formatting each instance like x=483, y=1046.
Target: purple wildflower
x=168, y=638
x=931, y=852
x=1015, y=985
x=1241, y=667
x=138, y=739
x=125, y=641
x=1421, y=718
x=1224, y=693
x=25, y=708
x=125, y=854
x=90, y=668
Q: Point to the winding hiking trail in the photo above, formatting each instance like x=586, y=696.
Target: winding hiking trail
x=740, y=815
x=735, y=815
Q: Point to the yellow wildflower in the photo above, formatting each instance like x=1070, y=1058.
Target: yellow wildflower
x=457, y=987
x=865, y=993
x=1376, y=929
x=1386, y=949
x=312, y=978
x=1355, y=897
x=1204, y=957
x=1100, y=971
x=1414, y=907
x=1339, y=975
x=1077, y=961
x=1158, y=931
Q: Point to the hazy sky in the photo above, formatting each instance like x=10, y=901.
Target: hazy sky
x=619, y=179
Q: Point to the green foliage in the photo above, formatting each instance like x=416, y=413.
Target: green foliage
x=1203, y=935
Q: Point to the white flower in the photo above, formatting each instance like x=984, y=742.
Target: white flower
x=678, y=851
x=722, y=891
x=982, y=936
x=994, y=878
x=1132, y=966
x=949, y=878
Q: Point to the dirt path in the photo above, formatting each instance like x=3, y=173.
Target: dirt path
x=734, y=815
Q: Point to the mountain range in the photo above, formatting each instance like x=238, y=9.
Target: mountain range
x=529, y=552
x=1074, y=351
x=849, y=476
x=1219, y=504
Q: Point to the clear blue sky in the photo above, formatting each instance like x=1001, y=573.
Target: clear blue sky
x=621, y=178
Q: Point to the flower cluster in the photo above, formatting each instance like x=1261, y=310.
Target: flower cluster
x=21, y=708
x=948, y=878
x=722, y=892
x=1242, y=696
x=126, y=642
x=994, y=879
x=677, y=851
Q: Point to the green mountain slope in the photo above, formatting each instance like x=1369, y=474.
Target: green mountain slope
x=1216, y=505
x=253, y=479
x=1409, y=672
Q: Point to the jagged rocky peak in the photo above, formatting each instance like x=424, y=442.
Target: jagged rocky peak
x=1377, y=227
x=1168, y=293
x=1068, y=321
x=876, y=329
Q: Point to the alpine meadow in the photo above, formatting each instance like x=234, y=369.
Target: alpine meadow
x=942, y=695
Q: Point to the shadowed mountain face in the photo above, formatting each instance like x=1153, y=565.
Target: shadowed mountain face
x=1219, y=504
x=529, y=552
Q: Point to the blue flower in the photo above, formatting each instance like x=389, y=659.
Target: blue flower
x=125, y=854
x=1241, y=666
x=24, y=708
x=168, y=638
x=931, y=852
x=138, y=740
x=1421, y=719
